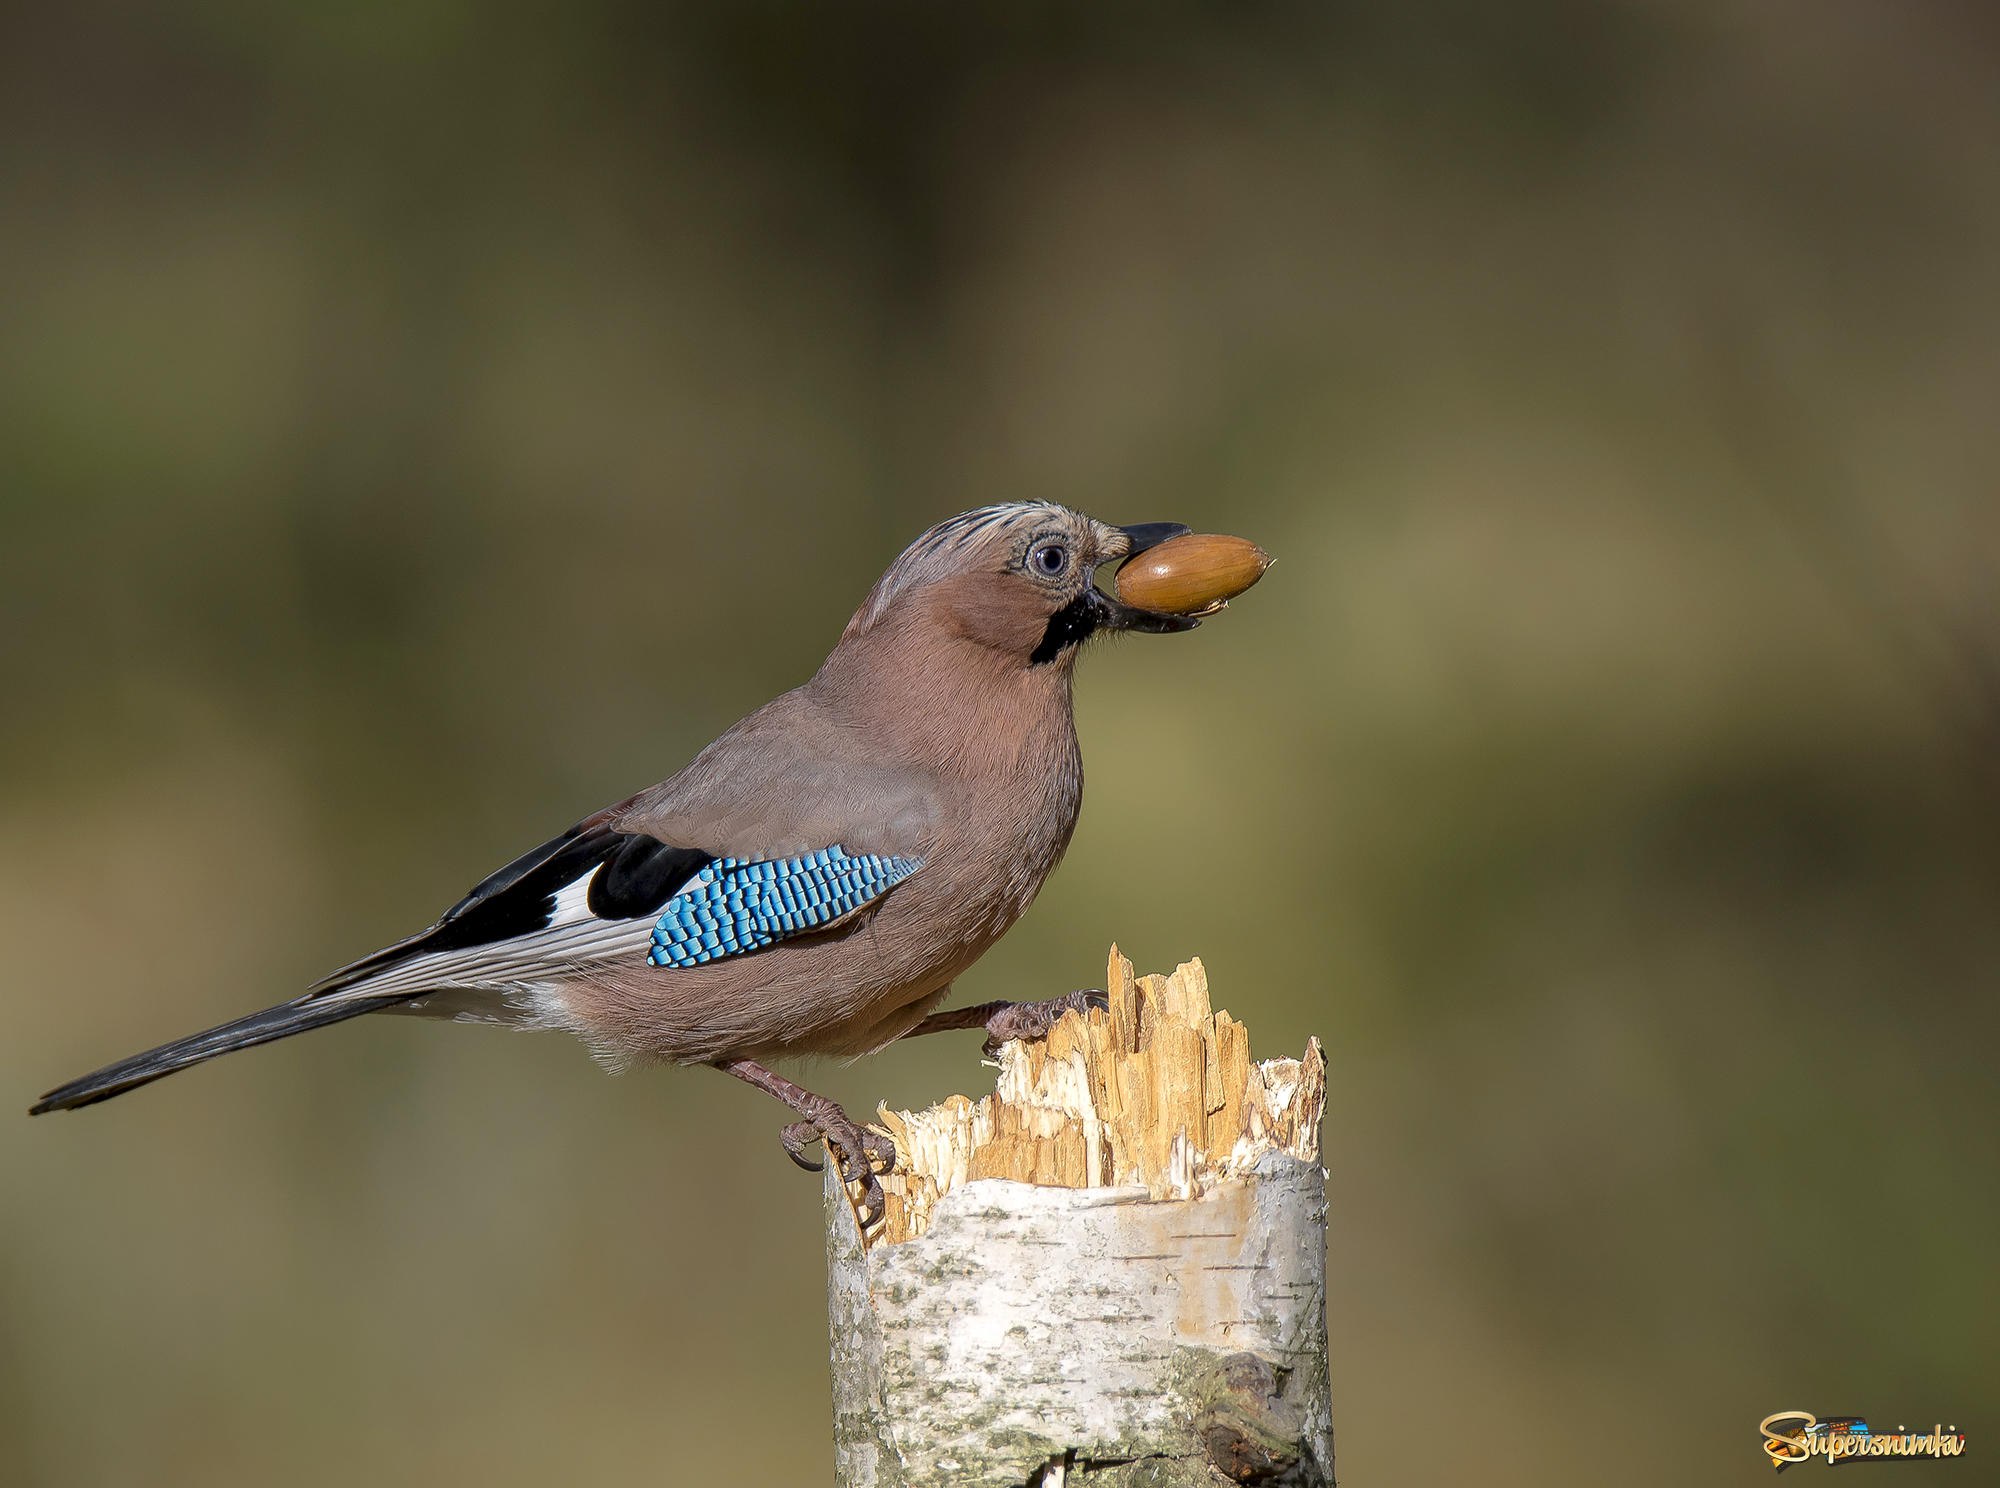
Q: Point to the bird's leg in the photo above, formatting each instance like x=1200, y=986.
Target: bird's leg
x=859, y=1152
x=1005, y=1021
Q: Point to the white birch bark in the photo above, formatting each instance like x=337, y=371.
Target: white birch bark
x=1164, y=1325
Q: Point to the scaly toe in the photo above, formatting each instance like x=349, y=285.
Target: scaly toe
x=880, y=1148
x=797, y=1139
x=1029, y=1021
x=871, y=1207
x=852, y=1154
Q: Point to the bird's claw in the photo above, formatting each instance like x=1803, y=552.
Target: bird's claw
x=1029, y=1021
x=859, y=1152
x=796, y=1139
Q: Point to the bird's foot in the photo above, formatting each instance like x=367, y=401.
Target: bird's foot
x=801, y=1136
x=859, y=1154
x=1029, y=1021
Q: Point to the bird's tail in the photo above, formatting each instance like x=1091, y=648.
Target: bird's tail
x=279, y=1022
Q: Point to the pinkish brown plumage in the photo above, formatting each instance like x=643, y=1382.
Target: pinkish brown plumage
x=932, y=766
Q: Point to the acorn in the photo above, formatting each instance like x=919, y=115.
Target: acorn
x=1195, y=574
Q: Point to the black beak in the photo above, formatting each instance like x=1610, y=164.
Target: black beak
x=1151, y=535
x=1113, y=614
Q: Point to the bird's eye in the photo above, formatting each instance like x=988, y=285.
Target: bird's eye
x=1049, y=559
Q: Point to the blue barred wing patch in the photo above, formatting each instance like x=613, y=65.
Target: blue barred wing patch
x=734, y=905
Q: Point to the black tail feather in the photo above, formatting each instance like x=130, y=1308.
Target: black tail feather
x=279, y=1022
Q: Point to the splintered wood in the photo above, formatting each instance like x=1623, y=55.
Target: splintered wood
x=1157, y=1091
x=1112, y=1267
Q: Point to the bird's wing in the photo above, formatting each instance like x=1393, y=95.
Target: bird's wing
x=585, y=895
x=776, y=830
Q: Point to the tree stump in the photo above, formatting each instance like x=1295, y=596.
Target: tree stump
x=1111, y=1271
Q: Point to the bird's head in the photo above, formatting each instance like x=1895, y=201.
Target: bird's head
x=1017, y=579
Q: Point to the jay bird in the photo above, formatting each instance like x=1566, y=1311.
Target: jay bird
x=814, y=880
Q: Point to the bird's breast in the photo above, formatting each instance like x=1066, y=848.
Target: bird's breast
x=1013, y=828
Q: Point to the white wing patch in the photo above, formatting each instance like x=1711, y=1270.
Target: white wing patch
x=518, y=980
x=573, y=901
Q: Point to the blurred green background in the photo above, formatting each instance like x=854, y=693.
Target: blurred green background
x=424, y=422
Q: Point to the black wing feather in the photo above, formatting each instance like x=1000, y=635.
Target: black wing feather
x=640, y=874
x=635, y=875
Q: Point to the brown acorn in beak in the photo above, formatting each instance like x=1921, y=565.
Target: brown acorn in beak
x=1195, y=574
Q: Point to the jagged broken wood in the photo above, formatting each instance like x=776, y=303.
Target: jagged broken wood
x=1110, y=1271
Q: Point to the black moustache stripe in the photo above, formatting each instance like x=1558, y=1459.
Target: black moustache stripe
x=1068, y=626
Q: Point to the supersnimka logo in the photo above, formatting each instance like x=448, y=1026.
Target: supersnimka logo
x=1792, y=1437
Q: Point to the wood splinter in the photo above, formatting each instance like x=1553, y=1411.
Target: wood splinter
x=1111, y=1271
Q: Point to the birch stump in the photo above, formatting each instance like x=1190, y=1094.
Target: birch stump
x=1111, y=1271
